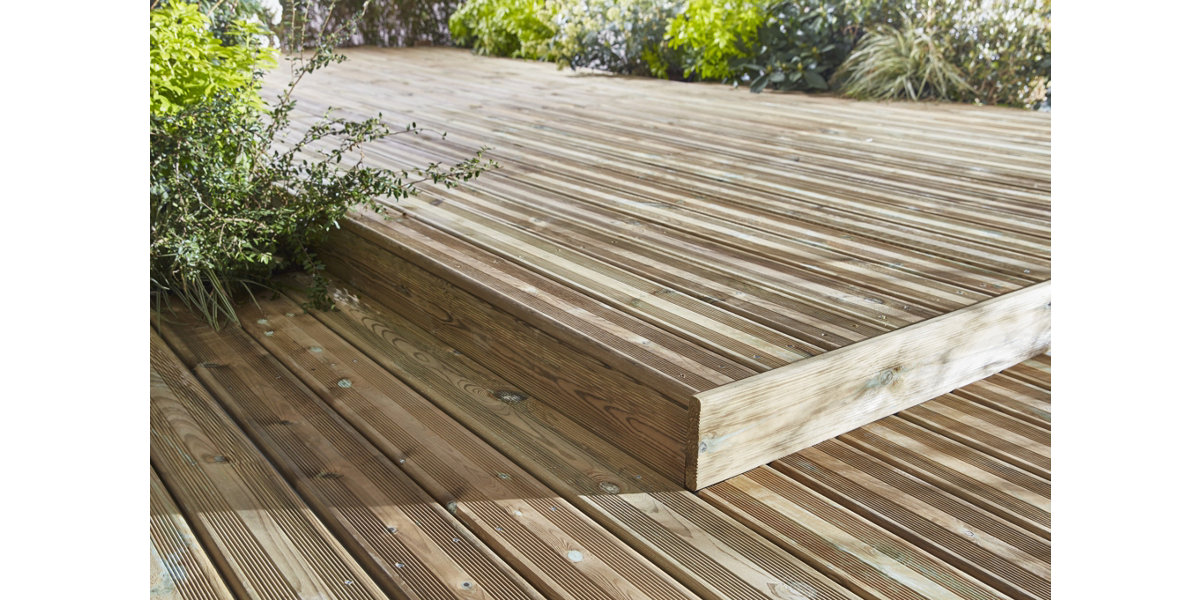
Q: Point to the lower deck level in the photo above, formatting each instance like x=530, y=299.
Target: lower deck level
x=353, y=454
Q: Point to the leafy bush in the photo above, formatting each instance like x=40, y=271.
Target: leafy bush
x=893, y=63
x=189, y=64
x=1003, y=49
x=713, y=33
x=519, y=28
x=236, y=194
x=621, y=36
x=798, y=46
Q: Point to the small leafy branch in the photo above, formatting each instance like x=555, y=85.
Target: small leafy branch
x=233, y=201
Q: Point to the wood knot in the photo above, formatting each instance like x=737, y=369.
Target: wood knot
x=609, y=488
x=509, y=396
x=327, y=475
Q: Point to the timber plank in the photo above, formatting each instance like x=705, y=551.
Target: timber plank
x=411, y=545
x=560, y=550
x=972, y=540
x=742, y=425
x=871, y=561
x=264, y=539
x=180, y=569
x=595, y=393
x=713, y=554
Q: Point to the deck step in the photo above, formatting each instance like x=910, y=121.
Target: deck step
x=655, y=251
x=720, y=555
x=267, y=543
x=180, y=568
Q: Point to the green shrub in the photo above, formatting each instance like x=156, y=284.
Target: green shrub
x=519, y=28
x=891, y=63
x=189, y=64
x=237, y=195
x=621, y=36
x=1003, y=48
x=712, y=33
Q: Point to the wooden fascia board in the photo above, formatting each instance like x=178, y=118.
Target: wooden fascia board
x=748, y=423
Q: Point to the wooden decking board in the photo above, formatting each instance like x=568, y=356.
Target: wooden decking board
x=770, y=415
x=595, y=394
x=526, y=522
x=959, y=243
x=640, y=350
x=690, y=237
x=958, y=426
x=869, y=560
x=856, y=200
x=180, y=568
x=968, y=474
x=757, y=192
x=711, y=126
x=767, y=112
x=809, y=222
x=716, y=556
x=986, y=547
x=381, y=514
x=266, y=542
x=874, y=488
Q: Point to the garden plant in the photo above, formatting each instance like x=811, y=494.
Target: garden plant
x=984, y=51
x=237, y=193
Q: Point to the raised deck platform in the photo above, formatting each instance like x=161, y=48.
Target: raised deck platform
x=710, y=279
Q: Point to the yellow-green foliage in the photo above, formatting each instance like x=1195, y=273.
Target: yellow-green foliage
x=712, y=33
x=519, y=28
x=188, y=64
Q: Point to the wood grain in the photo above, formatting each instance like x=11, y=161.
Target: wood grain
x=378, y=512
x=717, y=557
x=742, y=425
x=267, y=543
x=180, y=569
x=596, y=394
x=561, y=551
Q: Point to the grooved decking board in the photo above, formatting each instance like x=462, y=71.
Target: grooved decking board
x=561, y=551
x=750, y=422
x=683, y=238
x=262, y=536
x=902, y=502
x=987, y=547
x=869, y=560
x=404, y=537
x=180, y=569
x=713, y=554
x=603, y=399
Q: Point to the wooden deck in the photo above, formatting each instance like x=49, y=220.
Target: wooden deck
x=828, y=317
x=353, y=454
x=715, y=278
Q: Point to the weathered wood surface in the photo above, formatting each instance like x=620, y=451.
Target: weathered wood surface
x=899, y=510
x=260, y=533
x=404, y=537
x=597, y=394
x=717, y=557
x=679, y=238
x=296, y=370
x=180, y=569
x=908, y=507
x=742, y=425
